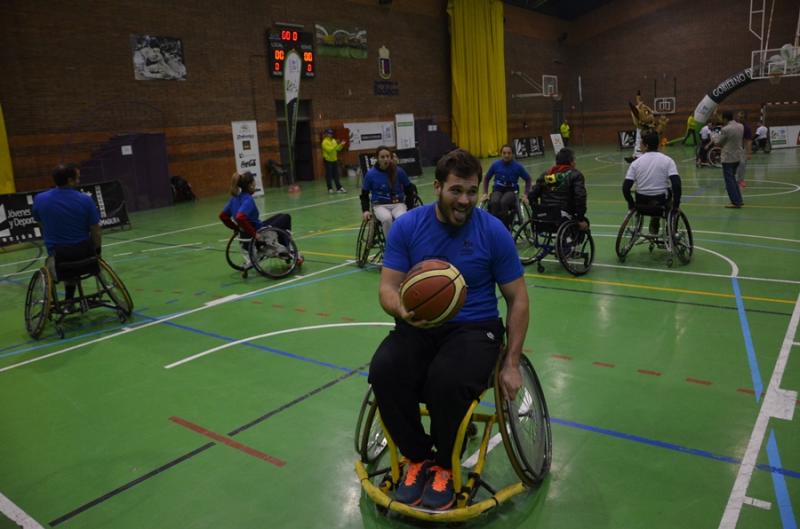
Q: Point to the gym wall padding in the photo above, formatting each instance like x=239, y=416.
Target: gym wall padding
x=477, y=66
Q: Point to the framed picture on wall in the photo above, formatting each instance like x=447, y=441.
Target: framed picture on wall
x=157, y=58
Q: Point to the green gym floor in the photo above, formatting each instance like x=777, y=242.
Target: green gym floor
x=656, y=378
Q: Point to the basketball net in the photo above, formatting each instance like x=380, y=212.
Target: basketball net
x=775, y=77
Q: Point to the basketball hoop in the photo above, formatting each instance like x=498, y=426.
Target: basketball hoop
x=556, y=97
x=775, y=77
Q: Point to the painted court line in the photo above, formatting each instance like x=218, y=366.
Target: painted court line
x=276, y=333
x=227, y=441
x=17, y=515
x=127, y=330
x=777, y=403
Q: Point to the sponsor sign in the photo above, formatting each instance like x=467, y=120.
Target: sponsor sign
x=783, y=137
x=558, y=142
x=370, y=136
x=409, y=161
x=626, y=138
x=527, y=147
x=245, y=148
x=664, y=105
x=404, y=124
x=16, y=212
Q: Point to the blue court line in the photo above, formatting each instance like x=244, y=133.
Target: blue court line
x=781, y=491
x=774, y=469
x=773, y=455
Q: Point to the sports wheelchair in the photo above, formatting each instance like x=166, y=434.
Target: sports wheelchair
x=371, y=239
x=523, y=424
x=549, y=231
x=42, y=302
x=273, y=254
x=674, y=234
x=520, y=213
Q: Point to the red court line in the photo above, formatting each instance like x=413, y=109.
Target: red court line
x=562, y=357
x=277, y=306
x=746, y=390
x=299, y=309
x=256, y=302
x=227, y=441
x=603, y=364
x=346, y=318
x=323, y=314
x=648, y=372
x=698, y=381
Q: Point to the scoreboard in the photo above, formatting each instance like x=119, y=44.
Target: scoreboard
x=281, y=40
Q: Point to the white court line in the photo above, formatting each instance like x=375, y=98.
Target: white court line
x=472, y=460
x=17, y=515
x=777, y=403
x=761, y=504
x=126, y=330
x=171, y=247
x=276, y=333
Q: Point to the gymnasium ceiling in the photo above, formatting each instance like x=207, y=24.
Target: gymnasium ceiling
x=563, y=9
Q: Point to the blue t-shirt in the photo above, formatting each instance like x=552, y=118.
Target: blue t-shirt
x=243, y=203
x=66, y=215
x=507, y=175
x=482, y=249
x=376, y=182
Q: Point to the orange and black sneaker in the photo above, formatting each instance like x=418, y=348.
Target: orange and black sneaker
x=439, y=494
x=410, y=489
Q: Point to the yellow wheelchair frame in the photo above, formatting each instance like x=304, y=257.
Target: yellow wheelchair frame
x=372, y=440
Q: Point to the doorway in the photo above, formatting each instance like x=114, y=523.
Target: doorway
x=303, y=147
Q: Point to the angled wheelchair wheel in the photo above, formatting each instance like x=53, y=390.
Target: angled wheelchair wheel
x=531, y=246
x=628, y=233
x=275, y=254
x=38, y=302
x=110, y=282
x=366, y=238
x=715, y=156
x=680, y=234
x=237, y=257
x=574, y=248
x=525, y=427
x=370, y=440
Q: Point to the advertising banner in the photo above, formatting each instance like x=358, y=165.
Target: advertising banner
x=783, y=137
x=370, y=136
x=558, y=142
x=405, y=131
x=409, y=161
x=245, y=148
x=16, y=212
x=527, y=147
x=626, y=138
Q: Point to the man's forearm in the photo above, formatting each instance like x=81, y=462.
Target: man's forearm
x=96, y=235
x=518, y=315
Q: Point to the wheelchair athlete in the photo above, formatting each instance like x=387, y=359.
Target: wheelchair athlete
x=387, y=189
x=562, y=186
x=503, y=200
x=241, y=215
x=654, y=174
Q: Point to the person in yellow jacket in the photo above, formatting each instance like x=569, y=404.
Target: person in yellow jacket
x=691, y=132
x=330, y=151
x=565, y=132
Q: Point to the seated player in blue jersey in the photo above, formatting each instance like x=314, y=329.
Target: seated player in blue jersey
x=506, y=172
x=562, y=186
x=446, y=366
x=387, y=187
x=241, y=213
x=70, y=222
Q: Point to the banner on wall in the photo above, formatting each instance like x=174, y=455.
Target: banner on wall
x=783, y=137
x=333, y=40
x=6, y=170
x=558, y=142
x=626, y=138
x=16, y=212
x=370, y=136
x=527, y=147
x=245, y=149
x=409, y=161
x=405, y=131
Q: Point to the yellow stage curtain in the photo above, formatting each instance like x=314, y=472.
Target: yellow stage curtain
x=6, y=172
x=477, y=64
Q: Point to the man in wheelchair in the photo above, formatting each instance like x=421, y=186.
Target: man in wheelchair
x=506, y=172
x=71, y=226
x=564, y=187
x=654, y=174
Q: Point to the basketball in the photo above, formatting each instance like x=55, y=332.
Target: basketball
x=435, y=290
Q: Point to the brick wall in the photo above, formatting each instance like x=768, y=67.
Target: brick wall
x=68, y=83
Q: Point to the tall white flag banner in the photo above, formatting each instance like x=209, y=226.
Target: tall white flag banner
x=245, y=148
x=558, y=142
x=404, y=123
x=292, y=67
